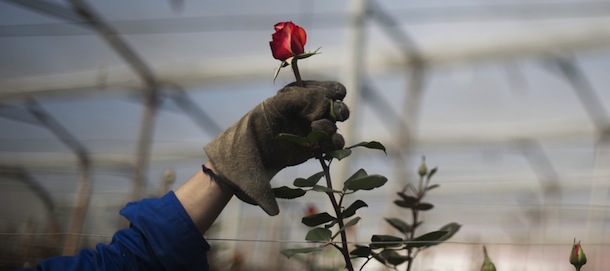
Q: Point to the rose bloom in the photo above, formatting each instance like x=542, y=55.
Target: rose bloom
x=288, y=41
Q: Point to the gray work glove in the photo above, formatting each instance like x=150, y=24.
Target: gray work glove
x=248, y=154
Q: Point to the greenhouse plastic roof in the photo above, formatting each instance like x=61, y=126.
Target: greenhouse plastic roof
x=514, y=105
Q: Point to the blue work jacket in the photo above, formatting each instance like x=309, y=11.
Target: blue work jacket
x=161, y=236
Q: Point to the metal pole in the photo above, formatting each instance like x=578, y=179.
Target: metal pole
x=151, y=89
x=416, y=74
x=353, y=81
x=600, y=186
x=168, y=179
x=79, y=213
x=550, y=215
x=83, y=197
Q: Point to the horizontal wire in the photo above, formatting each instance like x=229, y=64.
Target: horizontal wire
x=15, y=234
x=382, y=199
x=405, y=242
x=319, y=243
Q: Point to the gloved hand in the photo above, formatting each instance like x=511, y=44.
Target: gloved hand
x=248, y=154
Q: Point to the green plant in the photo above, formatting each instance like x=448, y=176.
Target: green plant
x=384, y=248
x=393, y=251
x=323, y=222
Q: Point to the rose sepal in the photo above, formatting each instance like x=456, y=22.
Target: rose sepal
x=288, y=61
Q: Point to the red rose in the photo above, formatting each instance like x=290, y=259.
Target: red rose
x=311, y=209
x=288, y=41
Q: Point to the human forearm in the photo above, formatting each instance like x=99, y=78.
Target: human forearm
x=203, y=198
x=162, y=236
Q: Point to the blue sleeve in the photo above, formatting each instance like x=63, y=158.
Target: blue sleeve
x=161, y=237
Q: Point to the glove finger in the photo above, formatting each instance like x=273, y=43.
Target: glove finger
x=316, y=100
x=340, y=110
x=324, y=125
x=338, y=141
x=335, y=141
x=331, y=89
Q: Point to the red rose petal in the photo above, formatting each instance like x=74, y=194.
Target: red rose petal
x=287, y=41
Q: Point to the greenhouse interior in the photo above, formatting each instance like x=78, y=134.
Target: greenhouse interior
x=506, y=103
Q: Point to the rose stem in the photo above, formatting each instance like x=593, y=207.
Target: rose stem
x=344, y=249
x=297, y=74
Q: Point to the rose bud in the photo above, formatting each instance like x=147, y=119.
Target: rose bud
x=577, y=256
x=423, y=169
x=488, y=265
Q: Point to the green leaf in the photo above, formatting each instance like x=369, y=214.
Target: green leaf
x=423, y=206
x=277, y=71
x=392, y=257
x=366, y=183
x=309, y=182
x=432, y=187
x=318, y=234
x=303, y=141
x=371, y=145
x=351, y=210
x=350, y=223
x=426, y=240
x=338, y=154
x=316, y=136
x=361, y=252
x=451, y=229
x=404, y=204
x=331, y=224
x=308, y=54
x=400, y=225
x=432, y=172
x=317, y=219
x=286, y=192
x=357, y=175
x=293, y=251
x=320, y=188
x=406, y=198
x=383, y=241
x=379, y=258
